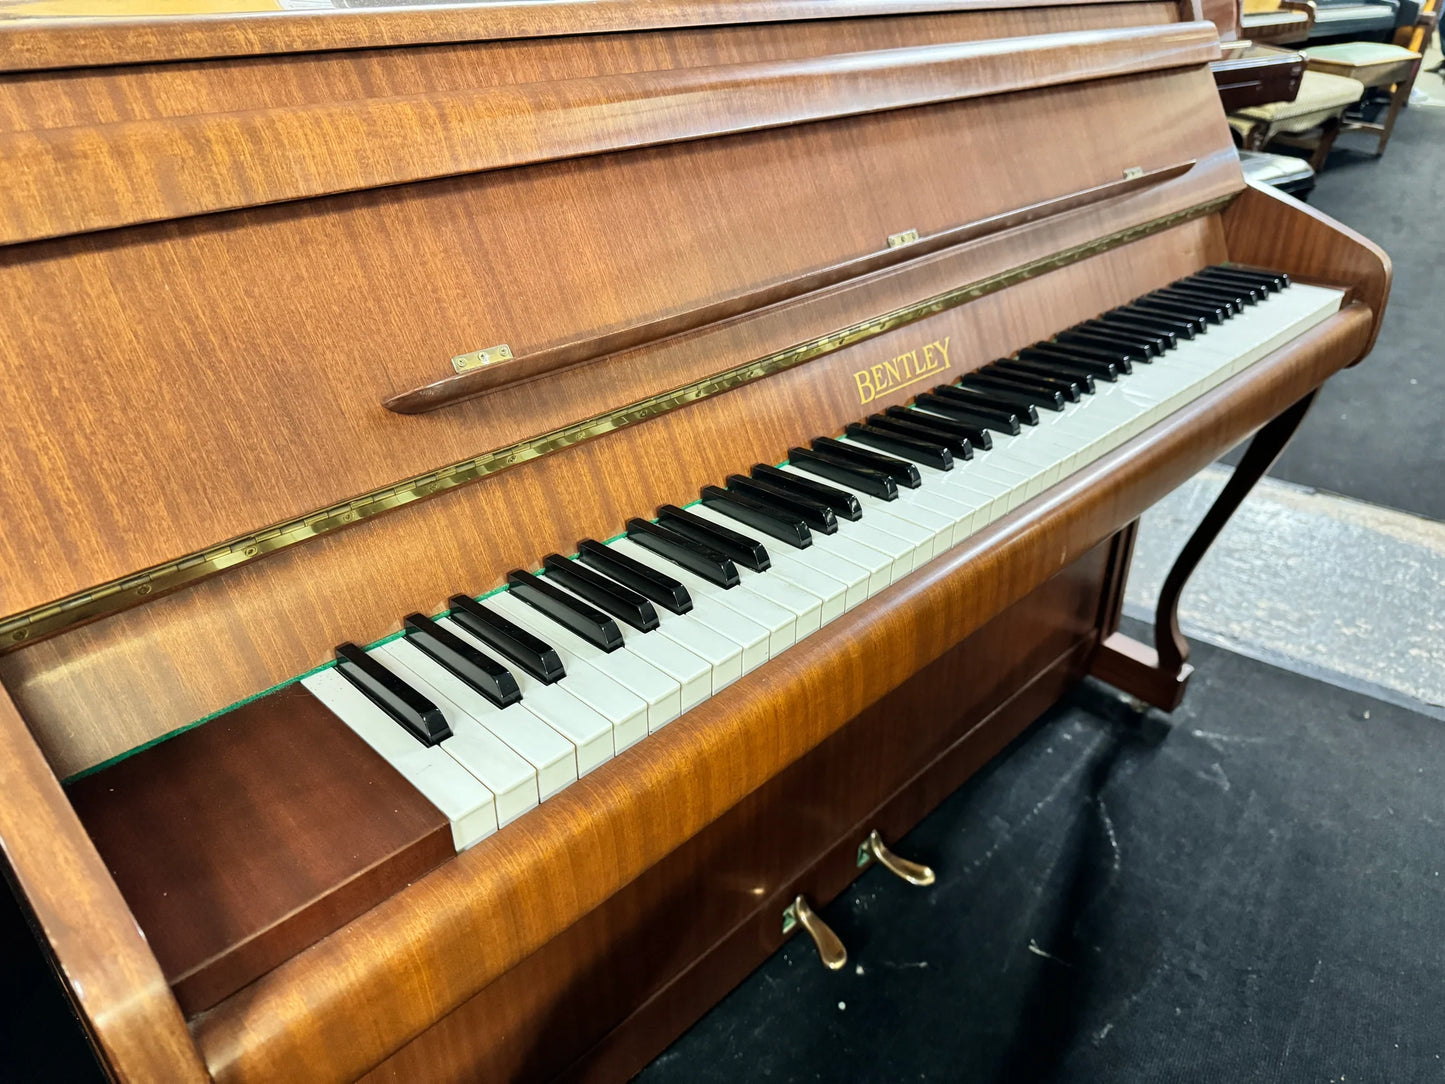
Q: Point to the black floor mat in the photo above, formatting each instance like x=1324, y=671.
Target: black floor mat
x=1250, y=891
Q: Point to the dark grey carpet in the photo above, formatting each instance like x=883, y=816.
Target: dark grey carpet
x=1253, y=892
x=1375, y=432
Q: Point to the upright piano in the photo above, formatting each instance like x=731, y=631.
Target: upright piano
x=509, y=508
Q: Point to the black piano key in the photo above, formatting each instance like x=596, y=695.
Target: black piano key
x=474, y=669
x=1198, y=316
x=1071, y=389
x=1049, y=400
x=621, y=602
x=745, y=551
x=815, y=513
x=844, y=504
x=781, y=487
x=1215, y=310
x=977, y=436
x=1255, y=291
x=662, y=589
x=901, y=471
x=960, y=446
x=1000, y=421
x=570, y=612
x=772, y=519
x=1061, y=371
x=1159, y=339
x=537, y=657
x=929, y=453
x=684, y=552
x=1185, y=327
x=1085, y=375
x=993, y=400
x=875, y=483
x=1113, y=339
x=417, y=715
x=1274, y=281
x=1232, y=301
x=1054, y=354
x=1123, y=358
x=1141, y=323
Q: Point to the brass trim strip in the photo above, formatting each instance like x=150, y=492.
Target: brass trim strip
x=108, y=598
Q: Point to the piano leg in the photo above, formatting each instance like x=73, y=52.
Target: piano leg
x=1158, y=675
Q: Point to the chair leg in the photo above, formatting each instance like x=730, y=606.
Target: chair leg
x=1398, y=98
x=1158, y=675
x=1329, y=132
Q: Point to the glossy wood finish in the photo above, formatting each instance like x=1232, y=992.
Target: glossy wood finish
x=386, y=978
x=66, y=43
x=98, y=950
x=1398, y=75
x=246, y=839
x=1257, y=75
x=469, y=385
x=1266, y=228
x=147, y=327
x=798, y=833
x=55, y=175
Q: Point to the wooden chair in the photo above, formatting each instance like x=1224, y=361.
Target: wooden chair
x=1372, y=64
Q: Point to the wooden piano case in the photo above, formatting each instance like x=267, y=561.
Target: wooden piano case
x=238, y=259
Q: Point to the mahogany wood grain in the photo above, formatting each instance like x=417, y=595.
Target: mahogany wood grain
x=64, y=43
x=631, y=963
x=341, y=1006
x=78, y=97
x=318, y=318
x=244, y=840
x=109, y=686
x=1267, y=228
x=73, y=180
x=100, y=953
x=463, y=386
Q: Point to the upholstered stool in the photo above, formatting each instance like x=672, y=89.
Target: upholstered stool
x=1321, y=101
x=1375, y=64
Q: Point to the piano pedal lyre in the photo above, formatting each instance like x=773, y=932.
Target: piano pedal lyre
x=874, y=849
x=830, y=948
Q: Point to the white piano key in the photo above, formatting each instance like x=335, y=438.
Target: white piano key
x=631, y=670
x=719, y=651
x=457, y=794
x=782, y=624
x=819, y=572
x=512, y=781
x=588, y=730
x=552, y=756
x=615, y=702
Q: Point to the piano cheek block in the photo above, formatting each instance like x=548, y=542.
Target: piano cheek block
x=312, y=827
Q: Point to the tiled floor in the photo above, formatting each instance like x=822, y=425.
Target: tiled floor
x=1320, y=584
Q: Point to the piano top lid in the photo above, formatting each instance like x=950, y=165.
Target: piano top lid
x=86, y=41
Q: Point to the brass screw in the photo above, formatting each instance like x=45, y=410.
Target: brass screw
x=143, y=589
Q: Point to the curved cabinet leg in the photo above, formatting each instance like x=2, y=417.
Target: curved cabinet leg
x=1158, y=675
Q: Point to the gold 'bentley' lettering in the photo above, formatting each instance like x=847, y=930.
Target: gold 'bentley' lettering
x=902, y=370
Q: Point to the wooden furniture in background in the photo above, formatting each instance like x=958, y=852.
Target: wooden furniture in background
x=238, y=249
x=1372, y=64
x=1277, y=22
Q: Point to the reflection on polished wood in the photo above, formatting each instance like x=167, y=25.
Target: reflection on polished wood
x=234, y=241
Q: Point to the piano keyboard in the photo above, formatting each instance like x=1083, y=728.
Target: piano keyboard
x=498, y=706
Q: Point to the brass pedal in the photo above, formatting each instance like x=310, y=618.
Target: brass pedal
x=830, y=949
x=873, y=848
